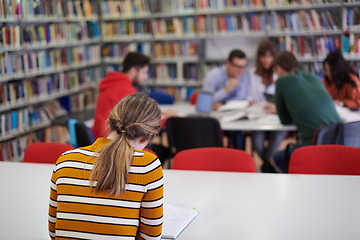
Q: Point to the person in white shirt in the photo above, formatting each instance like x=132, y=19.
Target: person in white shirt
x=261, y=90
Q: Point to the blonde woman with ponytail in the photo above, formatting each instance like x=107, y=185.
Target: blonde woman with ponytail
x=111, y=189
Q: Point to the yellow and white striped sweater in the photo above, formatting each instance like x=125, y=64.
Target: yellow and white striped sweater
x=77, y=212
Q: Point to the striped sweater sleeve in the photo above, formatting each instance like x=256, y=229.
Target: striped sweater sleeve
x=151, y=211
x=52, y=207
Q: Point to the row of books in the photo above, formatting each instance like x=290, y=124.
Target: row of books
x=351, y=44
x=51, y=34
x=60, y=33
x=116, y=8
x=351, y=18
x=58, y=9
x=225, y=4
x=83, y=101
x=127, y=28
x=231, y=24
x=13, y=93
x=294, y=3
x=304, y=21
x=18, y=121
x=10, y=9
x=14, y=150
x=184, y=49
x=191, y=72
x=48, y=60
x=163, y=72
x=315, y=68
x=309, y=46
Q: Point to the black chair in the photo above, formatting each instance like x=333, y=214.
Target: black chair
x=347, y=134
x=193, y=132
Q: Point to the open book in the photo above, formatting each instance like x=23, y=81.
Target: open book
x=249, y=112
x=347, y=115
x=176, y=219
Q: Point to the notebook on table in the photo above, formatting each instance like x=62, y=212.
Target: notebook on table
x=176, y=219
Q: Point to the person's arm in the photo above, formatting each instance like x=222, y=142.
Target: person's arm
x=210, y=85
x=52, y=207
x=281, y=108
x=151, y=211
x=353, y=101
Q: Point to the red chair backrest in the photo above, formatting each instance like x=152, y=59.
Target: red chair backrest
x=326, y=159
x=194, y=97
x=45, y=152
x=214, y=159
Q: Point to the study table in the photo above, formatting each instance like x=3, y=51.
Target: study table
x=185, y=109
x=249, y=206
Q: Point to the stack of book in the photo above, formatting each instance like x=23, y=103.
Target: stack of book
x=163, y=72
x=215, y=5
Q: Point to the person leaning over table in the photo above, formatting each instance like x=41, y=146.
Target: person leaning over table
x=262, y=81
x=300, y=99
x=229, y=82
x=111, y=189
x=341, y=81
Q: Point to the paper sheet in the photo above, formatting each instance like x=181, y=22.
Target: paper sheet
x=176, y=219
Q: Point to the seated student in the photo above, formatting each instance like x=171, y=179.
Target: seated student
x=262, y=81
x=301, y=99
x=111, y=189
x=341, y=82
x=229, y=82
x=115, y=86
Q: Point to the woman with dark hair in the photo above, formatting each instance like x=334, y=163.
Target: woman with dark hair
x=341, y=81
x=261, y=90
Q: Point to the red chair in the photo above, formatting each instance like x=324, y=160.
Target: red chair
x=194, y=97
x=45, y=152
x=326, y=159
x=214, y=159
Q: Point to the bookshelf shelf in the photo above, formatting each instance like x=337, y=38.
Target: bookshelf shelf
x=173, y=83
x=304, y=7
x=310, y=59
x=351, y=4
x=176, y=60
x=37, y=100
x=49, y=72
x=25, y=132
x=303, y=33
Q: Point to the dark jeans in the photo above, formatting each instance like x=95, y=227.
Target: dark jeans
x=281, y=158
x=274, y=139
x=236, y=139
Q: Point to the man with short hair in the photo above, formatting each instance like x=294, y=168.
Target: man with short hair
x=116, y=85
x=300, y=99
x=230, y=81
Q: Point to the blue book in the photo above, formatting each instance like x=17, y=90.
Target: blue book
x=48, y=35
x=323, y=16
x=21, y=90
x=186, y=25
x=14, y=119
x=346, y=44
x=290, y=21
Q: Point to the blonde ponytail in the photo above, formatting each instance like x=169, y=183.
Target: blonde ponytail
x=136, y=116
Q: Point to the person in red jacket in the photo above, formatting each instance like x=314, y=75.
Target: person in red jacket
x=117, y=85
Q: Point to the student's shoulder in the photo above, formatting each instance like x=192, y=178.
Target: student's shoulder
x=216, y=71
x=145, y=158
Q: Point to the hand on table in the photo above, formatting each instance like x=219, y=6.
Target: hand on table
x=270, y=108
x=216, y=106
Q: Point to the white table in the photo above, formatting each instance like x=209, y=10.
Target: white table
x=249, y=206
x=241, y=125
